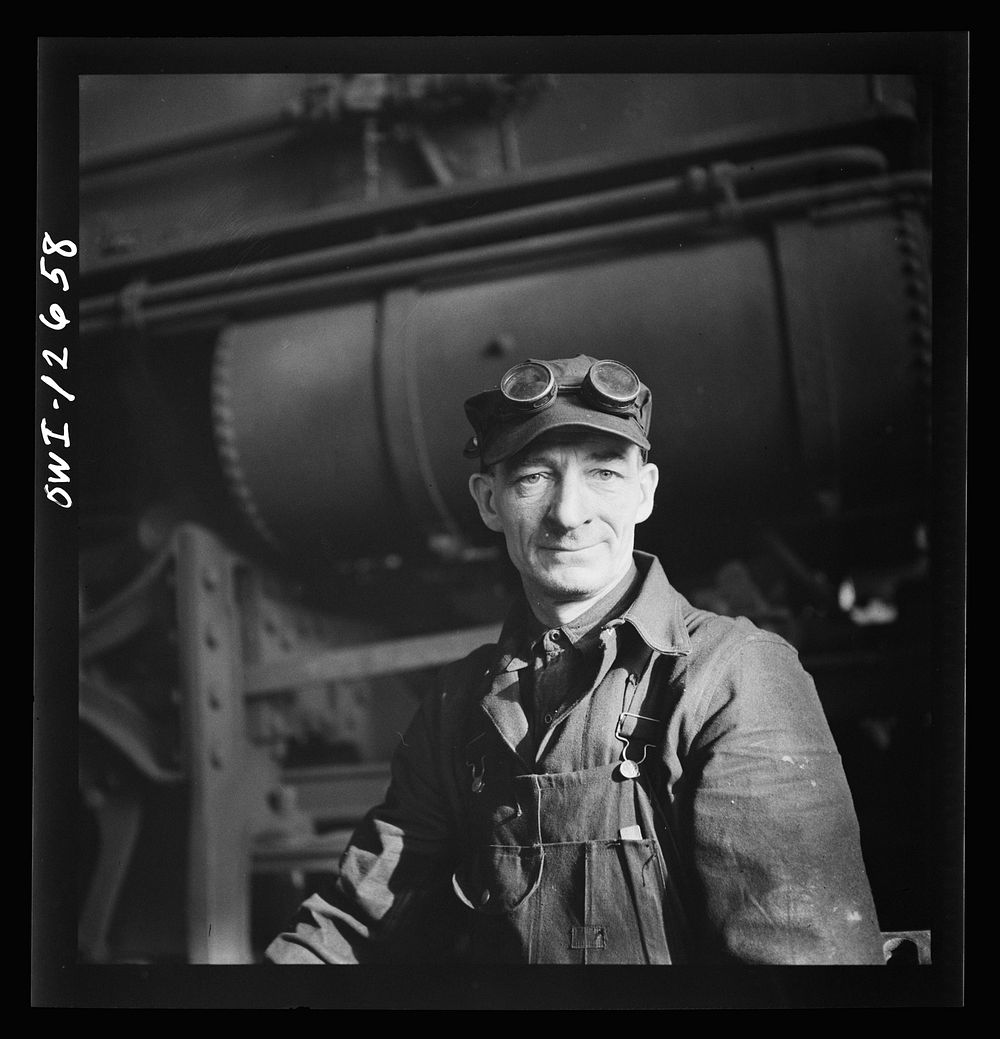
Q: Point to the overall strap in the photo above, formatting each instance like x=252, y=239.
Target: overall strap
x=646, y=719
x=640, y=724
x=648, y=700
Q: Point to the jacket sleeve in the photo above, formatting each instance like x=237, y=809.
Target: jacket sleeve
x=394, y=868
x=771, y=823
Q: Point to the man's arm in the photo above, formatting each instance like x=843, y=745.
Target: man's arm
x=774, y=836
x=398, y=860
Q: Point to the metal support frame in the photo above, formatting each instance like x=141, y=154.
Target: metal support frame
x=247, y=813
x=248, y=655
x=229, y=777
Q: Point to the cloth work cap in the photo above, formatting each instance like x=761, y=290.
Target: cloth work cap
x=536, y=396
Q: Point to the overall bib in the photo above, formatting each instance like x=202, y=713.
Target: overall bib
x=566, y=867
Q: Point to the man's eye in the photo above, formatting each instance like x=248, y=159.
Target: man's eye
x=605, y=474
x=530, y=479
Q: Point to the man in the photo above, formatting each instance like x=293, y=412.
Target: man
x=622, y=779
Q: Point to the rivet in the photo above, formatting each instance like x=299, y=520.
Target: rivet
x=215, y=756
x=213, y=698
x=211, y=639
x=281, y=799
x=209, y=579
x=500, y=345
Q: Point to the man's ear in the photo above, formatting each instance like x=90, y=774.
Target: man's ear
x=481, y=487
x=649, y=477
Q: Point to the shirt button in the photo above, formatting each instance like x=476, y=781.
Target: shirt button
x=547, y=719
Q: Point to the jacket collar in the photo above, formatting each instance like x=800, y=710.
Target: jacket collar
x=516, y=635
x=657, y=612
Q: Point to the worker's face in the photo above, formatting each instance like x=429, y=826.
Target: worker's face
x=568, y=505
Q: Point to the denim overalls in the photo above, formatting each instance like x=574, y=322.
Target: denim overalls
x=567, y=867
x=547, y=851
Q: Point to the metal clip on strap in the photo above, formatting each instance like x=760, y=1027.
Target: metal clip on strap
x=629, y=767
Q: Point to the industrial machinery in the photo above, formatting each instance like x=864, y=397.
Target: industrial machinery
x=280, y=315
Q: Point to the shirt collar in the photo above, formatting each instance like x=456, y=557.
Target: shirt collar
x=655, y=612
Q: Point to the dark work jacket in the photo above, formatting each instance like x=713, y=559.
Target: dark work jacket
x=741, y=791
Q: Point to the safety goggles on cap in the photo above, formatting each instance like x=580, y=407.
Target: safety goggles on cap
x=607, y=386
x=535, y=396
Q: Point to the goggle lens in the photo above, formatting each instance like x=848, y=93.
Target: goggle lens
x=614, y=384
x=528, y=385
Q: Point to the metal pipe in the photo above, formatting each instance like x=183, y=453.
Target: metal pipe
x=105, y=162
x=520, y=221
x=216, y=309
x=872, y=128
x=427, y=239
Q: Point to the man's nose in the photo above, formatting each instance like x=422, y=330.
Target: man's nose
x=568, y=506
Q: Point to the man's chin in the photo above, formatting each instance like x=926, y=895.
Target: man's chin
x=570, y=583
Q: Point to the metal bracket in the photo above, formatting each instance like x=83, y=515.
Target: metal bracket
x=722, y=177
x=130, y=305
